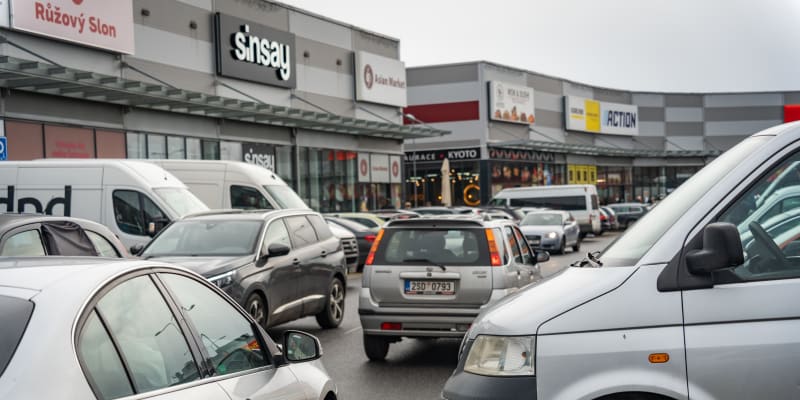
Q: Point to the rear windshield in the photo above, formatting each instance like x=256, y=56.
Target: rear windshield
x=14, y=316
x=456, y=247
x=569, y=203
x=542, y=219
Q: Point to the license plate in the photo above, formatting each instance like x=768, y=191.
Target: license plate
x=438, y=288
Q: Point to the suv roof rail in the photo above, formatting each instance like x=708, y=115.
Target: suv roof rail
x=437, y=220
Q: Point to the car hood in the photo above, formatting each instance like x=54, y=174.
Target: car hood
x=207, y=266
x=523, y=312
x=540, y=229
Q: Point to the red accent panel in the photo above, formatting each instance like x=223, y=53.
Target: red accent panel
x=443, y=112
x=791, y=112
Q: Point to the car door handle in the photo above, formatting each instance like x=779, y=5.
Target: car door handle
x=323, y=253
x=296, y=261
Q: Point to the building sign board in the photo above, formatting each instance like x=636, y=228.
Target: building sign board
x=253, y=52
x=105, y=24
x=587, y=115
x=379, y=168
x=363, y=167
x=380, y=79
x=521, y=155
x=473, y=153
x=260, y=154
x=511, y=103
x=395, y=169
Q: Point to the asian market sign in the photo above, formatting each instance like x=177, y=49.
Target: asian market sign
x=105, y=24
x=589, y=115
x=511, y=103
x=380, y=79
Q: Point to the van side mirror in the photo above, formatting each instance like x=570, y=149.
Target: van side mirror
x=541, y=256
x=722, y=249
x=300, y=346
x=156, y=226
x=136, y=249
x=277, y=250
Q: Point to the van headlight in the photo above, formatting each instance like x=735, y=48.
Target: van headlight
x=501, y=356
x=223, y=280
x=551, y=235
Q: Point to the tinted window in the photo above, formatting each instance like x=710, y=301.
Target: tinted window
x=103, y=247
x=14, y=316
x=24, y=244
x=527, y=258
x=277, y=233
x=323, y=232
x=203, y=237
x=542, y=219
x=148, y=336
x=570, y=203
x=466, y=247
x=135, y=211
x=364, y=221
x=248, y=198
x=595, y=203
x=301, y=231
x=512, y=242
x=227, y=336
x=101, y=361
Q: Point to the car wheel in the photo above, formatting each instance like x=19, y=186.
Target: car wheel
x=577, y=246
x=257, y=308
x=376, y=347
x=582, y=235
x=563, y=248
x=333, y=313
x=602, y=231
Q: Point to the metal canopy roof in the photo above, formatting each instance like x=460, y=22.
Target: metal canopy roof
x=588, y=150
x=34, y=76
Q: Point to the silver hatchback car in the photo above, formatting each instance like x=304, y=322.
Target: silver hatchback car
x=430, y=277
x=138, y=329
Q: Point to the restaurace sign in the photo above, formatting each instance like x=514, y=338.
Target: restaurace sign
x=439, y=155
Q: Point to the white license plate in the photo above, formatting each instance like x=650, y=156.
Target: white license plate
x=440, y=288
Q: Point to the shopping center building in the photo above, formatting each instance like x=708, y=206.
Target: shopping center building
x=316, y=100
x=511, y=127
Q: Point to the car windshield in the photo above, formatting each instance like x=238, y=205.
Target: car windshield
x=569, y=203
x=181, y=201
x=450, y=247
x=205, y=238
x=14, y=316
x=639, y=238
x=542, y=219
x=285, y=197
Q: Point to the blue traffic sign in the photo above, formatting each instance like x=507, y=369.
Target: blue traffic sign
x=3, y=148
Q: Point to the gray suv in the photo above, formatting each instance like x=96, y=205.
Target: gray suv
x=430, y=277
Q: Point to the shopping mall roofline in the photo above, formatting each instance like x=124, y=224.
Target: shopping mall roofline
x=34, y=76
x=581, y=149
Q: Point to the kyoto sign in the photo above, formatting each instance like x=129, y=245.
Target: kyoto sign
x=106, y=24
x=589, y=115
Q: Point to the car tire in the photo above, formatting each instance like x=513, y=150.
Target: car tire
x=333, y=313
x=257, y=308
x=602, y=231
x=376, y=347
x=582, y=235
x=577, y=246
x=563, y=248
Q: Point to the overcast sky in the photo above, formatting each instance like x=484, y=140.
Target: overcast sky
x=642, y=45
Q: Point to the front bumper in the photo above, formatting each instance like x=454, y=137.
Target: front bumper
x=466, y=386
x=545, y=243
x=415, y=325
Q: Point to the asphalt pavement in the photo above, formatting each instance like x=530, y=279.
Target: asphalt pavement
x=414, y=369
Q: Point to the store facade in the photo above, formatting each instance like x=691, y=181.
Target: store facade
x=258, y=82
x=534, y=129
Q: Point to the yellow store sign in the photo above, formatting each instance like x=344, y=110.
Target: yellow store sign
x=581, y=174
x=592, y=115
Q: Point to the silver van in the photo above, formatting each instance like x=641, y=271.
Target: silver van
x=676, y=308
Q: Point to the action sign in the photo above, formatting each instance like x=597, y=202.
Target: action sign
x=3, y=148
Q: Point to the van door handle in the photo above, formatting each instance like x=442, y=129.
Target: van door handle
x=296, y=261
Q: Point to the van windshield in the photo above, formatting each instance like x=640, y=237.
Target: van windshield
x=181, y=201
x=639, y=238
x=567, y=203
x=285, y=197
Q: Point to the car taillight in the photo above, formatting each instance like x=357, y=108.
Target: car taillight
x=370, y=238
x=494, y=254
x=602, y=217
x=371, y=256
x=391, y=326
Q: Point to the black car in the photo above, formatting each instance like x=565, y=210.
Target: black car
x=364, y=236
x=628, y=213
x=279, y=265
x=30, y=235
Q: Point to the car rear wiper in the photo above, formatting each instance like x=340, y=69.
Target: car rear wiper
x=425, y=260
x=592, y=260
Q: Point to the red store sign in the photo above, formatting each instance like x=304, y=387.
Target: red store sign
x=107, y=24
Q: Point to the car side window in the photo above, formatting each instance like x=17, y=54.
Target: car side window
x=527, y=258
x=512, y=241
x=24, y=244
x=301, y=231
x=248, y=198
x=229, y=338
x=134, y=212
x=101, y=360
x=321, y=228
x=277, y=233
x=149, y=338
x=103, y=247
x=770, y=236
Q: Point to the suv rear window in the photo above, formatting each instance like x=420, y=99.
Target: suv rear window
x=456, y=247
x=14, y=316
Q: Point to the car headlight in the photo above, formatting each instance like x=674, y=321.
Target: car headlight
x=223, y=280
x=501, y=356
x=551, y=235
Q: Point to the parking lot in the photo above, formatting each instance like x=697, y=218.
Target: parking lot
x=414, y=369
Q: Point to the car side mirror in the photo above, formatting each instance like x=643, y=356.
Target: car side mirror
x=277, y=250
x=542, y=256
x=300, y=346
x=722, y=249
x=136, y=249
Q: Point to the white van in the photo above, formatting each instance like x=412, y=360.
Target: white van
x=580, y=200
x=233, y=184
x=134, y=199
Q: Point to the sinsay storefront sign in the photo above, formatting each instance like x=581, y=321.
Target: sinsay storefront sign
x=254, y=52
x=106, y=24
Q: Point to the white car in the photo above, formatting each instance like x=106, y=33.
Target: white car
x=90, y=328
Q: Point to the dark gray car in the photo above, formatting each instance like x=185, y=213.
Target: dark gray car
x=279, y=265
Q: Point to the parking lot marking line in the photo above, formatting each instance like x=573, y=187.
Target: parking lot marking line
x=356, y=329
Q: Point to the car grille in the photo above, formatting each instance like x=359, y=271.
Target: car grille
x=350, y=247
x=534, y=237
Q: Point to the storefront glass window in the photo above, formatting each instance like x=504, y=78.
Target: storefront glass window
x=283, y=164
x=136, y=145
x=210, y=150
x=156, y=146
x=425, y=188
x=314, y=190
x=193, y=149
x=176, y=147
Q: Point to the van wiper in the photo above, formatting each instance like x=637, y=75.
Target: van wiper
x=427, y=261
x=592, y=260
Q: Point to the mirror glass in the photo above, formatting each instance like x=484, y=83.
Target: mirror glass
x=299, y=346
